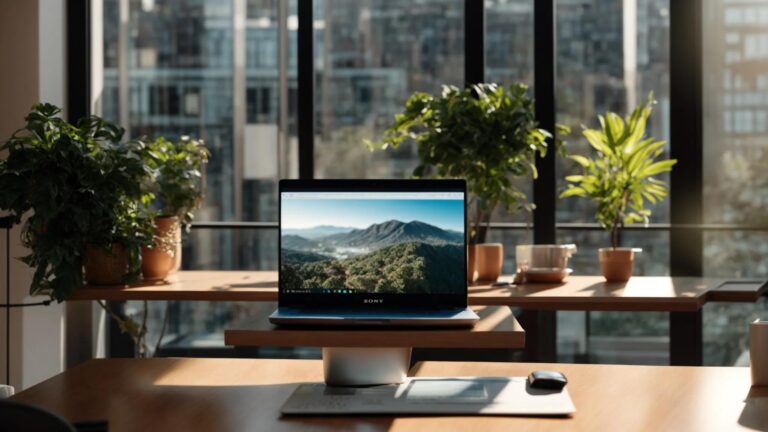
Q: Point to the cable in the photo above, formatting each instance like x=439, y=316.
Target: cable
x=15, y=305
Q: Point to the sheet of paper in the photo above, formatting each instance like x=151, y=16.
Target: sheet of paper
x=438, y=395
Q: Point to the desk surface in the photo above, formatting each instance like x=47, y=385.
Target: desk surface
x=243, y=394
x=577, y=293
x=641, y=293
x=191, y=285
x=497, y=328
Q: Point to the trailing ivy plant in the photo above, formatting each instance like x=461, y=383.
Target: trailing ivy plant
x=178, y=184
x=76, y=185
x=486, y=134
x=621, y=176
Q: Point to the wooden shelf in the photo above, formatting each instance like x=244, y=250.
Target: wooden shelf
x=497, y=328
x=641, y=293
x=191, y=285
x=744, y=291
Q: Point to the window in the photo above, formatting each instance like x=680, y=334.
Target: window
x=735, y=154
x=369, y=57
x=509, y=59
x=170, y=71
x=227, y=71
x=610, y=55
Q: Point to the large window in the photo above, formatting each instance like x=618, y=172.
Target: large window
x=610, y=56
x=735, y=156
x=217, y=70
x=227, y=71
x=370, y=55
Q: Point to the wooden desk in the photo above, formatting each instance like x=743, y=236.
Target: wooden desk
x=497, y=328
x=242, y=394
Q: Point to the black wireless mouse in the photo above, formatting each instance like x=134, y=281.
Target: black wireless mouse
x=547, y=380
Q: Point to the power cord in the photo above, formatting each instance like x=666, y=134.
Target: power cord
x=15, y=305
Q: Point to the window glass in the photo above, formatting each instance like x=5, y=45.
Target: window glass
x=735, y=155
x=170, y=72
x=509, y=41
x=610, y=55
x=508, y=60
x=370, y=56
x=735, y=112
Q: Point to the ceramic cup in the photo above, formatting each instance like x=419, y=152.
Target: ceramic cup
x=489, y=259
x=544, y=256
x=6, y=391
x=758, y=352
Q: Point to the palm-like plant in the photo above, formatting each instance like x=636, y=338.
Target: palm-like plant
x=621, y=177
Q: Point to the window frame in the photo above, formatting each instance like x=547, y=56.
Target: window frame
x=686, y=115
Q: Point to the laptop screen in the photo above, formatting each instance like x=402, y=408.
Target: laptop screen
x=372, y=244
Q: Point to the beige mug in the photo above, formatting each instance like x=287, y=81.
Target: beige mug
x=489, y=259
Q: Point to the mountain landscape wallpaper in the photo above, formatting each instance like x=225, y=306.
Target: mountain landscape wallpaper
x=372, y=246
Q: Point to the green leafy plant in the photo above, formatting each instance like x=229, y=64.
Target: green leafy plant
x=621, y=177
x=486, y=134
x=78, y=185
x=177, y=186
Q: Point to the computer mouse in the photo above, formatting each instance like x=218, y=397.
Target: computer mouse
x=547, y=380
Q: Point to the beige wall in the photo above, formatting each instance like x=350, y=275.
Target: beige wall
x=19, y=57
x=37, y=340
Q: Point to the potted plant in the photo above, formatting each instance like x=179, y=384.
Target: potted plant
x=621, y=178
x=486, y=134
x=178, y=190
x=80, y=188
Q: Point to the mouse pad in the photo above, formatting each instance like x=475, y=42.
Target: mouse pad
x=443, y=396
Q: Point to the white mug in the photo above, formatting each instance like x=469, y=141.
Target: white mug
x=758, y=352
x=6, y=391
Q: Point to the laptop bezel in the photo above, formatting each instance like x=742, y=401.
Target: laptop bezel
x=358, y=301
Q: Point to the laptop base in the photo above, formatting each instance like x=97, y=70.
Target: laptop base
x=439, y=318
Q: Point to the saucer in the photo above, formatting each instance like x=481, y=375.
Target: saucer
x=546, y=274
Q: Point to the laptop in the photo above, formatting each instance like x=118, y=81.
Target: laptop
x=373, y=252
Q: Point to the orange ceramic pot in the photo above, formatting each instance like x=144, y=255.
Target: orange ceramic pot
x=105, y=267
x=158, y=261
x=489, y=258
x=617, y=264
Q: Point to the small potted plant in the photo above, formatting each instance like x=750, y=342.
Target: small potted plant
x=486, y=134
x=177, y=189
x=80, y=190
x=620, y=179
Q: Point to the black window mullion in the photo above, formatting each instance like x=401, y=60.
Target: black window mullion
x=474, y=34
x=544, y=187
x=78, y=59
x=686, y=137
x=306, y=90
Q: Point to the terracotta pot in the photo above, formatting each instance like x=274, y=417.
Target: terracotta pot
x=489, y=258
x=617, y=264
x=105, y=267
x=470, y=264
x=158, y=261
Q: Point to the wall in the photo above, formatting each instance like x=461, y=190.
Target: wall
x=31, y=52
